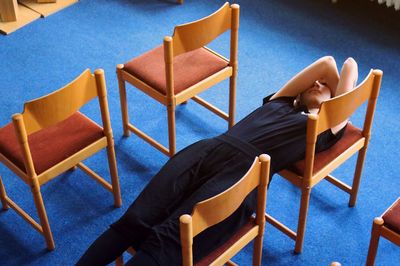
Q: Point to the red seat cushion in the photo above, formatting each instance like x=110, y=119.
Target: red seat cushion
x=321, y=159
x=189, y=68
x=217, y=252
x=51, y=145
x=391, y=217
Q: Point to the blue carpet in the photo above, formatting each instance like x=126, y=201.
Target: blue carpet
x=277, y=39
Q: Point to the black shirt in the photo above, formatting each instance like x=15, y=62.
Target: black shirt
x=279, y=129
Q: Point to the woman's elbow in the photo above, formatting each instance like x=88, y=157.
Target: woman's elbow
x=350, y=63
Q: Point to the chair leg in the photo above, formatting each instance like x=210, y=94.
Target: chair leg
x=357, y=176
x=119, y=261
x=44, y=222
x=171, y=129
x=257, y=254
x=123, y=100
x=301, y=226
x=232, y=100
x=112, y=164
x=3, y=196
x=373, y=244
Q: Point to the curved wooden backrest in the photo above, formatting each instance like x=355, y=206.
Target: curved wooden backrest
x=338, y=109
x=59, y=105
x=196, y=34
x=214, y=210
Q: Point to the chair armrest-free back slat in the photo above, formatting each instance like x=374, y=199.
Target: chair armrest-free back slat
x=59, y=105
x=338, y=109
x=199, y=33
x=203, y=218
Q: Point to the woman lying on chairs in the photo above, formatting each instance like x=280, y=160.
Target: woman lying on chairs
x=277, y=128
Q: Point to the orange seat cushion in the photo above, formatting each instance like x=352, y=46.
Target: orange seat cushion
x=321, y=159
x=189, y=68
x=51, y=145
x=391, y=217
x=220, y=250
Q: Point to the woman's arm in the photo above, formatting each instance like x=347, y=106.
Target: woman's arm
x=347, y=82
x=324, y=70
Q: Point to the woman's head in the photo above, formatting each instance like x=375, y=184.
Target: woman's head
x=314, y=96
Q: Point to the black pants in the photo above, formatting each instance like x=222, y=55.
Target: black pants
x=151, y=223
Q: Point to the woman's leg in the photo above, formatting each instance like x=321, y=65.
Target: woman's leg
x=178, y=177
x=105, y=249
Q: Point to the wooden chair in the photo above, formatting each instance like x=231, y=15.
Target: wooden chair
x=182, y=68
x=388, y=226
x=51, y=136
x=306, y=173
x=214, y=210
x=223, y=205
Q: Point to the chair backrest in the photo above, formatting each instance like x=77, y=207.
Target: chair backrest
x=193, y=35
x=215, y=209
x=336, y=110
x=59, y=105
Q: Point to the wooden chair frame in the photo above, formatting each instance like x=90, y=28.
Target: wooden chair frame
x=332, y=112
x=201, y=218
x=223, y=205
x=44, y=112
x=187, y=37
x=378, y=230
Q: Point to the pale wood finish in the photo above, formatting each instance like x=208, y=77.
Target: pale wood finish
x=23, y=16
x=188, y=37
x=196, y=34
x=46, y=1
x=77, y=93
x=47, y=7
x=46, y=111
x=332, y=113
x=378, y=230
x=216, y=209
x=8, y=10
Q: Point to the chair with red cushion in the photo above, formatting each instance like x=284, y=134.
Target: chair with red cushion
x=51, y=136
x=182, y=68
x=388, y=226
x=216, y=209
x=307, y=173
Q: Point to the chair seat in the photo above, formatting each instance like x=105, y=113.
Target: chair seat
x=220, y=250
x=391, y=217
x=321, y=159
x=189, y=68
x=53, y=144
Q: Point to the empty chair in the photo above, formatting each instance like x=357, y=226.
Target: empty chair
x=387, y=226
x=307, y=173
x=182, y=68
x=51, y=136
